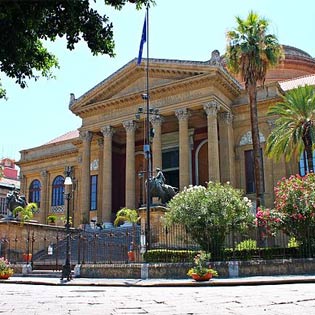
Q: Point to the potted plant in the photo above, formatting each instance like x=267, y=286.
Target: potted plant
x=25, y=213
x=51, y=219
x=201, y=271
x=129, y=215
x=5, y=270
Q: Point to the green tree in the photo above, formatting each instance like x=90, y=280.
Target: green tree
x=25, y=25
x=209, y=214
x=250, y=52
x=294, y=129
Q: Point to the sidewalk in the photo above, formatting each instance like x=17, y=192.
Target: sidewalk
x=258, y=280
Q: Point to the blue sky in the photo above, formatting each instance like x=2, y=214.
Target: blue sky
x=179, y=29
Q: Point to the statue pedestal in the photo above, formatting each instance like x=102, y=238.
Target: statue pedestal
x=157, y=213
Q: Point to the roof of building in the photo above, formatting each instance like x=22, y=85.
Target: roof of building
x=294, y=83
x=67, y=136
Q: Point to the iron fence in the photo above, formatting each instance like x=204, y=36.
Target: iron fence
x=48, y=251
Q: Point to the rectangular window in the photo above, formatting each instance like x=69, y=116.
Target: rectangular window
x=3, y=208
x=250, y=171
x=93, y=196
x=303, y=164
x=170, y=166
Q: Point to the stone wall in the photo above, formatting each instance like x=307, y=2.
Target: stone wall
x=178, y=271
x=27, y=237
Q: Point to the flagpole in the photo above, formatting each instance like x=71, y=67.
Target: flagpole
x=148, y=155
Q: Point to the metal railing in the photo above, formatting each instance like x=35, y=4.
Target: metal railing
x=112, y=246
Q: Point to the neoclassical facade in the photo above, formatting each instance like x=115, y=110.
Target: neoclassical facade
x=201, y=133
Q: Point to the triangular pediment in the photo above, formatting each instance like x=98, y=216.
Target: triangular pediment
x=131, y=80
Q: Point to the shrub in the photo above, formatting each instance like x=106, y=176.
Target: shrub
x=210, y=213
x=173, y=256
x=294, y=211
x=246, y=245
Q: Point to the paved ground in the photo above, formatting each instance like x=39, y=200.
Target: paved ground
x=257, y=295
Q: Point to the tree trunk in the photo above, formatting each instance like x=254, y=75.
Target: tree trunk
x=258, y=171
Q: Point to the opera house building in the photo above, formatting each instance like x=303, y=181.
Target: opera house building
x=200, y=131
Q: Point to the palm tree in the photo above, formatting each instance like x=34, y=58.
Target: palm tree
x=295, y=127
x=251, y=52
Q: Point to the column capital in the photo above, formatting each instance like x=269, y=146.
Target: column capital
x=226, y=117
x=86, y=135
x=107, y=131
x=156, y=120
x=182, y=113
x=130, y=125
x=211, y=108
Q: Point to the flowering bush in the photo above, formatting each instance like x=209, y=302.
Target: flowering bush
x=294, y=211
x=5, y=269
x=295, y=205
x=200, y=265
x=210, y=213
x=269, y=220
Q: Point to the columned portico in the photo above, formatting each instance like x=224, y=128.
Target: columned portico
x=211, y=110
x=184, y=150
x=86, y=137
x=130, y=127
x=107, y=132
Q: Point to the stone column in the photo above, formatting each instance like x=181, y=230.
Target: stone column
x=100, y=188
x=130, y=127
x=156, y=122
x=227, y=156
x=211, y=110
x=107, y=132
x=43, y=198
x=184, y=149
x=86, y=137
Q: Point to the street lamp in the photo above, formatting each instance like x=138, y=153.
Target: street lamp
x=147, y=154
x=66, y=268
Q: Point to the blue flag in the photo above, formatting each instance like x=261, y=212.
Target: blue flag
x=143, y=40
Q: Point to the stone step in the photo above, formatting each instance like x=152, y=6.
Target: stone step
x=43, y=274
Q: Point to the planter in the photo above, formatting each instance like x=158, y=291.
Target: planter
x=131, y=255
x=205, y=277
x=4, y=277
x=27, y=257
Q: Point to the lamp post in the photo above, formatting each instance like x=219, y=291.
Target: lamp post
x=147, y=154
x=66, y=268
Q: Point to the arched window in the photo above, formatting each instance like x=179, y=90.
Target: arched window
x=34, y=192
x=57, y=191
